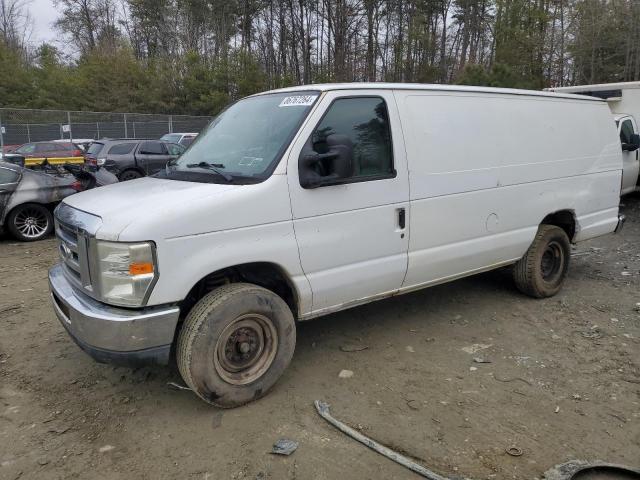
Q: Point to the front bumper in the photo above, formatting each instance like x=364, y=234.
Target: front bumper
x=109, y=334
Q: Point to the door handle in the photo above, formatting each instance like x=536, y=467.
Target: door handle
x=402, y=218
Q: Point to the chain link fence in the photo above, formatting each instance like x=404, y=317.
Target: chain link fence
x=19, y=126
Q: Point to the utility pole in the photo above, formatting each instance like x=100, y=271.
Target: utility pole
x=1, y=137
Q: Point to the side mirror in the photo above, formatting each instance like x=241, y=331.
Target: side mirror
x=328, y=168
x=633, y=145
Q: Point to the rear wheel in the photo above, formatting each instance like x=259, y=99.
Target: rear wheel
x=235, y=343
x=129, y=175
x=30, y=222
x=542, y=270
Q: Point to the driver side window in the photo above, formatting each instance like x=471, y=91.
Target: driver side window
x=363, y=124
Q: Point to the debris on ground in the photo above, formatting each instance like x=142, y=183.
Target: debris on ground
x=177, y=386
x=323, y=410
x=345, y=374
x=481, y=360
x=284, y=446
x=514, y=451
x=353, y=347
x=579, y=469
x=476, y=347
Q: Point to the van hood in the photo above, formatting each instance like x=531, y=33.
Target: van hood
x=143, y=207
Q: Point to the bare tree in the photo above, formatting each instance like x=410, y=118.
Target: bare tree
x=16, y=23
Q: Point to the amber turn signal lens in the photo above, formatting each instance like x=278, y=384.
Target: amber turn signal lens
x=140, y=268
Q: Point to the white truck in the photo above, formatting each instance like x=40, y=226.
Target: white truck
x=300, y=202
x=624, y=102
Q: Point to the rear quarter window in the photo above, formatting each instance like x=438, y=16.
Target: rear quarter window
x=8, y=176
x=95, y=148
x=121, y=149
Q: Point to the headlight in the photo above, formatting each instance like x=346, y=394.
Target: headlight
x=126, y=272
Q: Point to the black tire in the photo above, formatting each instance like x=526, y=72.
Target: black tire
x=235, y=343
x=542, y=270
x=30, y=222
x=129, y=174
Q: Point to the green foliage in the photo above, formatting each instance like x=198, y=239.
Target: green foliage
x=499, y=76
x=15, y=81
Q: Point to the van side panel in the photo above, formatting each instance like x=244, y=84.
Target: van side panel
x=485, y=169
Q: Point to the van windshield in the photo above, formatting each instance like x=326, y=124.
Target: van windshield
x=246, y=141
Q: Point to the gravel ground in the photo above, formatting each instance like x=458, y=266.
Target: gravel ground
x=451, y=376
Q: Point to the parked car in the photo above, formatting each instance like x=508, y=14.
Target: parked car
x=55, y=152
x=624, y=101
x=27, y=197
x=131, y=159
x=304, y=201
x=184, y=139
x=8, y=149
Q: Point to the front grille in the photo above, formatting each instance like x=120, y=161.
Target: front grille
x=72, y=247
x=76, y=231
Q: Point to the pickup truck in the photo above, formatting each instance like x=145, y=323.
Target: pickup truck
x=129, y=159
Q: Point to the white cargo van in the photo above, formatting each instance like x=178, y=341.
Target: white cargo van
x=624, y=101
x=304, y=201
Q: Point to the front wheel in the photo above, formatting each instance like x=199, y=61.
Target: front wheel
x=30, y=222
x=542, y=270
x=235, y=343
x=129, y=175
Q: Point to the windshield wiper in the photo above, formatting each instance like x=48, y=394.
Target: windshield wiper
x=214, y=167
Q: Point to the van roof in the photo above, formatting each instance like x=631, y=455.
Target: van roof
x=597, y=87
x=427, y=87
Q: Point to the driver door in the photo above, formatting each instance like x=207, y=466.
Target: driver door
x=630, y=160
x=352, y=235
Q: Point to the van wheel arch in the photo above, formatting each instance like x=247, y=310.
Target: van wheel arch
x=566, y=220
x=264, y=274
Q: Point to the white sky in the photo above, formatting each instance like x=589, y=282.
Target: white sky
x=44, y=13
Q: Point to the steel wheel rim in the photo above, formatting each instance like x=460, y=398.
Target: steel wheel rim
x=31, y=223
x=246, y=349
x=552, y=261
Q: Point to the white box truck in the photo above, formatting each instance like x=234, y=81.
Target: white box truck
x=300, y=202
x=624, y=102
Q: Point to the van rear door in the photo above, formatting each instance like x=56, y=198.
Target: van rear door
x=351, y=224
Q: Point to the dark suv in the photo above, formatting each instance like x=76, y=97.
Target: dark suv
x=130, y=159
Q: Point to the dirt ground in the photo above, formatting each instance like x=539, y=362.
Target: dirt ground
x=563, y=383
